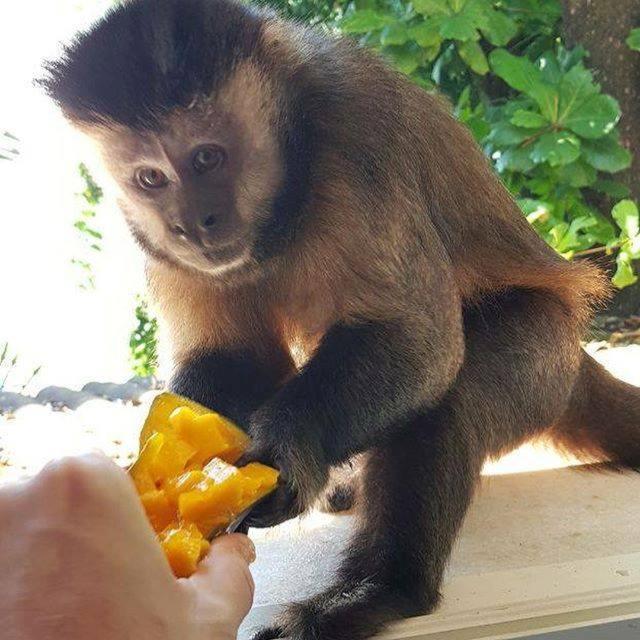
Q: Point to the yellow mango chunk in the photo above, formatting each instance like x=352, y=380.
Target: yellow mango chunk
x=259, y=478
x=183, y=548
x=214, y=502
x=166, y=403
x=208, y=434
x=140, y=470
x=159, y=510
x=187, y=483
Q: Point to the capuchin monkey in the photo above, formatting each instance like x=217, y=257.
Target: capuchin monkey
x=341, y=272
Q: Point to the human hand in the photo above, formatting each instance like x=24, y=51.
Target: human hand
x=79, y=560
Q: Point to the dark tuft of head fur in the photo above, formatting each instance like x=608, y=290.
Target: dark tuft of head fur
x=146, y=57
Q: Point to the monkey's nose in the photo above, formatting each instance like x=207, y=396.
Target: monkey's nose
x=206, y=222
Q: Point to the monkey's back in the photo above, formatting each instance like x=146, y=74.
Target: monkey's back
x=402, y=144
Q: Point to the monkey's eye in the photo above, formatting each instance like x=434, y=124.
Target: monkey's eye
x=208, y=158
x=150, y=178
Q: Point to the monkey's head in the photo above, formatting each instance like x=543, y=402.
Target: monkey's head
x=211, y=159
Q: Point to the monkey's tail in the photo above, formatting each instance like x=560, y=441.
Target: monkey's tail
x=602, y=421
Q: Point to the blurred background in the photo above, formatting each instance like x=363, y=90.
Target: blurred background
x=549, y=88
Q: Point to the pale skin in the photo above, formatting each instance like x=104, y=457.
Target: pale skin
x=79, y=560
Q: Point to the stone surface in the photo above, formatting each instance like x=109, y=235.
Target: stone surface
x=10, y=402
x=62, y=397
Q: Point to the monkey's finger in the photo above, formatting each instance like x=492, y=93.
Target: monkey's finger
x=276, y=508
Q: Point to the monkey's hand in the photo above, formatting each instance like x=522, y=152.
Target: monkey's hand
x=285, y=445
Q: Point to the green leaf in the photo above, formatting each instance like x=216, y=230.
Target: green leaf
x=500, y=28
x=606, y=154
x=633, y=41
x=458, y=27
x=611, y=188
x=633, y=248
x=365, y=20
x=625, y=213
x=405, y=59
x=577, y=174
x=514, y=160
x=427, y=33
x=557, y=234
x=479, y=127
x=624, y=275
x=427, y=54
x=536, y=211
x=594, y=117
x=471, y=52
x=575, y=87
x=518, y=72
x=504, y=134
x=521, y=74
x=431, y=7
x=556, y=148
x=394, y=34
x=528, y=119
x=549, y=68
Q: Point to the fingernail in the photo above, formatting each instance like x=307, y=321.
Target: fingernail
x=247, y=549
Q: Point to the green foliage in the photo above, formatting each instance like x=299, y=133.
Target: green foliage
x=625, y=214
x=445, y=42
x=143, y=342
x=551, y=140
x=89, y=236
x=8, y=364
x=8, y=149
x=532, y=104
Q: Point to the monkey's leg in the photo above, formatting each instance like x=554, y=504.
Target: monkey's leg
x=521, y=361
x=234, y=383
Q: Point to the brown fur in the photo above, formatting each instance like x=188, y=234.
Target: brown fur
x=346, y=265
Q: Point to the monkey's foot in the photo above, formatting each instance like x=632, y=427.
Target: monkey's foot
x=344, y=613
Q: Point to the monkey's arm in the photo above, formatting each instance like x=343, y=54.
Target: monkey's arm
x=363, y=381
x=233, y=382
x=227, y=355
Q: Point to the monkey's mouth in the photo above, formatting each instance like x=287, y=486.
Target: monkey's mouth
x=221, y=260
x=227, y=253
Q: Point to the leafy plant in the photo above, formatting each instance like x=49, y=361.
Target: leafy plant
x=8, y=364
x=444, y=42
x=552, y=140
x=634, y=39
x=625, y=213
x=143, y=342
x=8, y=149
x=531, y=103
x=90, y=237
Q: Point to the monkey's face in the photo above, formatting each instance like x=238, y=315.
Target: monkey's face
x=197, y=191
